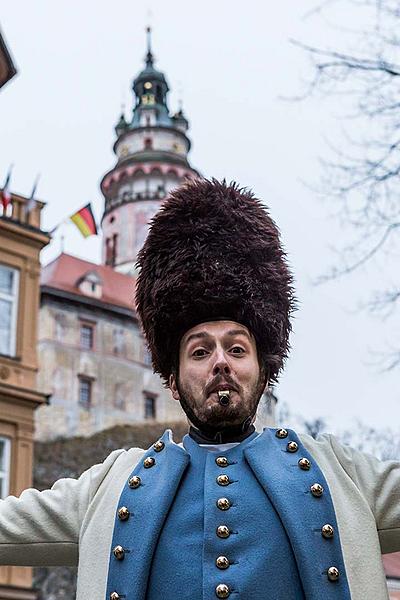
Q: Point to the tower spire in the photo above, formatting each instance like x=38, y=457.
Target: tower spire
x=152, y=157
x=149, y=55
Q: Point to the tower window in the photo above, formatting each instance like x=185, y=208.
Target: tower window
x=85, y=392
x=148, y=143
x=86, y=335
x=149, y=405
x=111, y=250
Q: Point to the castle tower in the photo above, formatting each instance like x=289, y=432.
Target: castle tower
x=151, y=153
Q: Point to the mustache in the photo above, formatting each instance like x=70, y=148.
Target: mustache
x=220, y=380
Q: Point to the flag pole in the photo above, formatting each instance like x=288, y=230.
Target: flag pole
x=32, y=202
x=52, y=231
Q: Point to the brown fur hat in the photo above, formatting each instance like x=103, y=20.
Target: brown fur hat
x=213, y=252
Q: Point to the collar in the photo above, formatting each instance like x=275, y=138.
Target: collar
x=221, y=437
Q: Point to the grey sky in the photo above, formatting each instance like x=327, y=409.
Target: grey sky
x=232, y=63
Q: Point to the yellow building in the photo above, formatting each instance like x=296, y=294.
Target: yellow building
x=21, y=240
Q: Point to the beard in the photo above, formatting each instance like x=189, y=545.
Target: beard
x=210, y=417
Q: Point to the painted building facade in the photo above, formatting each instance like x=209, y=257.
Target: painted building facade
x=94, y=361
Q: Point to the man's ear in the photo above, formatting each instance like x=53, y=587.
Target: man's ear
x=173, y=387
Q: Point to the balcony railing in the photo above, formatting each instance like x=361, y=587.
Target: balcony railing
x=17, y=211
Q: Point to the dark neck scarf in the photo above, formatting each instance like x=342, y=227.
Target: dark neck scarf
x=221, y=437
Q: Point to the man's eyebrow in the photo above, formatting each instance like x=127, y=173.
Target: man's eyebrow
x=233, y=332
x=203, y=334
x=198, y=335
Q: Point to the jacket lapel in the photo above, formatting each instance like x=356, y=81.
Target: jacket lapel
x=147, y=496
x=303, y=509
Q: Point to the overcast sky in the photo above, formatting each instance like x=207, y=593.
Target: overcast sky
x=232, y=63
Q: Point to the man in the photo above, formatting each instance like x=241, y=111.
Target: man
x=229, y=513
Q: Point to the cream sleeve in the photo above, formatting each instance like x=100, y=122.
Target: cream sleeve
x=379, y=483
x=42, y=528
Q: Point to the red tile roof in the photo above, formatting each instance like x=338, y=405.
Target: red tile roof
x=65, y=272
x=391, y=563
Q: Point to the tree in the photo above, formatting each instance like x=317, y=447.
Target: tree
x=364, y=179
x=314, y=426
x=382, y=443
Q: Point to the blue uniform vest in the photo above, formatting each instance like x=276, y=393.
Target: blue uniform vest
x=281, y=538
x=261, y=562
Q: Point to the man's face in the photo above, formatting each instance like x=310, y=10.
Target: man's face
x=213, y=356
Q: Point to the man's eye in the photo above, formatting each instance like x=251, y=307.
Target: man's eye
x=199, y=352
x=237, y=350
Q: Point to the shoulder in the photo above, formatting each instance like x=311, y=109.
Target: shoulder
x=117, y=463
x=327, y=447
x=361, y=467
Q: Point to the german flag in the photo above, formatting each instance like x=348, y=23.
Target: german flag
x=84, y=220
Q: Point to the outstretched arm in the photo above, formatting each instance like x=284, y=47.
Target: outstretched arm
x=379, y=482
x=42, y=528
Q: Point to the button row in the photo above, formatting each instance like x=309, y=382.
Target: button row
x=316, y=489
x=222, y=562
x=123, y=512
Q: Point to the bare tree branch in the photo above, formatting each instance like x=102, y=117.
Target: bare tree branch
x=364, y=180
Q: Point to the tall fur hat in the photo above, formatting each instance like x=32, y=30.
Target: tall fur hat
x=213, y=252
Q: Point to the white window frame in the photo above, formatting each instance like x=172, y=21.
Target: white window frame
x=5, y=472
x=13, y=297
x=83, y=337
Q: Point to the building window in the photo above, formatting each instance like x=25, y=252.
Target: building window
x=60, y=326
x=86, y=336
x=149, y=405
x=85, y=392
x=119, y=345
x=5, y=451
x=119, y=396
x=8, y=309
x=147, y=356
x=148, y=143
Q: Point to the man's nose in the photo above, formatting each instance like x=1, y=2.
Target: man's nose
x=221, y=366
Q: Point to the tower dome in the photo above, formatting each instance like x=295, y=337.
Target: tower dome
x=152, y=159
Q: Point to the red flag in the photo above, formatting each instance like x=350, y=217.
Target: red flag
x=5, y=195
